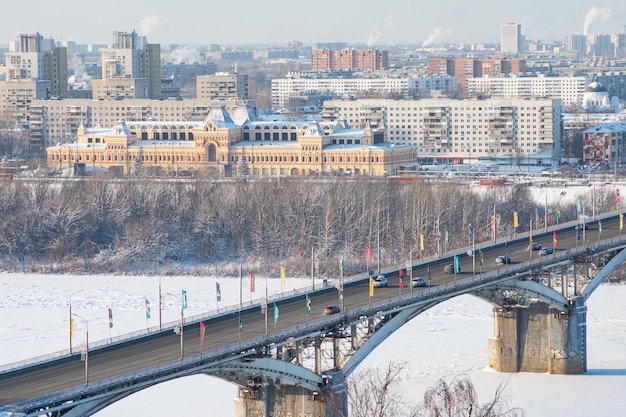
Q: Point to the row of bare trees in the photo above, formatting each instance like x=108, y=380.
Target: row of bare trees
x=104, y=225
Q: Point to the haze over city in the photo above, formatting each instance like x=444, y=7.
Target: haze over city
x=276, y=22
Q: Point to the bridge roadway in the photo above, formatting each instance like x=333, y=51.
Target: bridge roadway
x=43, y=379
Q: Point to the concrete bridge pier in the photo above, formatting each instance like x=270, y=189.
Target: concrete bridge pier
x=275, y=400
x=540, y=339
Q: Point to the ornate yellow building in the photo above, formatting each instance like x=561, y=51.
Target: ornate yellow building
x=244, y=147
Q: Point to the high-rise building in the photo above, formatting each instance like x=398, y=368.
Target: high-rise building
x=349, y=60
x=222, y=86
x=34, y=59
x=511, y=39
x=131, y=56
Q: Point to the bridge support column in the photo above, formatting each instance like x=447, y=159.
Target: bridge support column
x=540, y=339
x=275, y=400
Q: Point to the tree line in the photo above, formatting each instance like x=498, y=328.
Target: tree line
x=99, y=225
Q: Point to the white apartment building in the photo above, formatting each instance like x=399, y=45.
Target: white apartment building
x=511, y=38
x=569, y=90
x=284, y=88
x=462, y=131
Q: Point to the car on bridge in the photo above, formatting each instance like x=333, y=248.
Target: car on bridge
x=545, y=251
x=328, y=310
x=503, y=260
x=380, y=281
x=419, y=282
x=534, y=246
x=449, y=269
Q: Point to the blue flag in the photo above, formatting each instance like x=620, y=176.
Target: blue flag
x=578, y=202
x=184, y=299
x=457, y=267
x=218, y=291
x=240, y=321
x=275, y=313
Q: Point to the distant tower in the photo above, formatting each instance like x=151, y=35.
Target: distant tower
x=511, y=39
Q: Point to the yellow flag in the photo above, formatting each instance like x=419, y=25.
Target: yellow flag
x=71, y=328
x=515, y=219
x=282, y=275
x=621, y=221
x=421, y=241
x=371, y=287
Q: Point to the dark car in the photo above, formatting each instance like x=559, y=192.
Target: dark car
x=545, y=251
x=534, y=246
x=328, y=310
x=502, y=260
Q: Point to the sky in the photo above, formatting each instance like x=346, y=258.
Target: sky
x=443, y=342
x=275, y=22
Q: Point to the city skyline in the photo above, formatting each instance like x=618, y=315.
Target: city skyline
x=270, y=22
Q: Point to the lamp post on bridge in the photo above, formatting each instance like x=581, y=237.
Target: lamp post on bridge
x=86, y=358
x=71, y=332
x=183, y=305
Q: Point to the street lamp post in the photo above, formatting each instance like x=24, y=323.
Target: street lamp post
x=182, y=322
x=71, y=295
x=86, y=347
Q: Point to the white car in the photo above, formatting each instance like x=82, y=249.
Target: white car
x=419, y=282
x=380, y=281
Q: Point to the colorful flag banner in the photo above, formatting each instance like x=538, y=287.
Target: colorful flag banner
x=515, y=219
x=579, y=205
x=371, y=287
x=72, y=328
x=554, y=241
x=283, y=278
x=251, y=282
x=147, y=308
x=240, y=321
x=308, y=305
x=599, y=228
x=202, y=330
x=558, y=210
x=184, y=299
x=457, y=266
x=421, y=241
x=617, y=196
x=537, y=217
x=447, y=234
x=340, y=290
x=110, y=318
x=470, y=230
x=482, y=259
x=621, y=222
x=400, y=283
x=493, y=224
x=369, y=254
x=275, y=313
x=218, y=292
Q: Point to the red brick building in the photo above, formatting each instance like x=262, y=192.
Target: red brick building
x=349, y=60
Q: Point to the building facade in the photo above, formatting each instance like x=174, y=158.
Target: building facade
x=568, y=89
x=221, y=144
x=605, y=145
x=131, y=56
x=511, y=39
x=349, y=60
x=285, y=88
x=461, y=131
x=222, y=87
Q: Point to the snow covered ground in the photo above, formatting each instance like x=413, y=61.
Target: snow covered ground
x=446, y=341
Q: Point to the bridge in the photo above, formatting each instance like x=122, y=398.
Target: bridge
x=304, y=359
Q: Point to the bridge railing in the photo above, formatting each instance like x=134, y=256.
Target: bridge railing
x=257, y=302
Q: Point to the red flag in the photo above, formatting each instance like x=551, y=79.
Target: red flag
x=202, y=329
x=400, y=283
x=554, y=238
x=401, y=272
x=251, y=282
x=369, y=254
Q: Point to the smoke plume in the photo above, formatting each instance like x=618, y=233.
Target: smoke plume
x=375, y=32
x=147, y=24
x=595, y=15
x=437, y=36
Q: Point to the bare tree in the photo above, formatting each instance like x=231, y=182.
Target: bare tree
x=373, y=392
x=459, y=399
